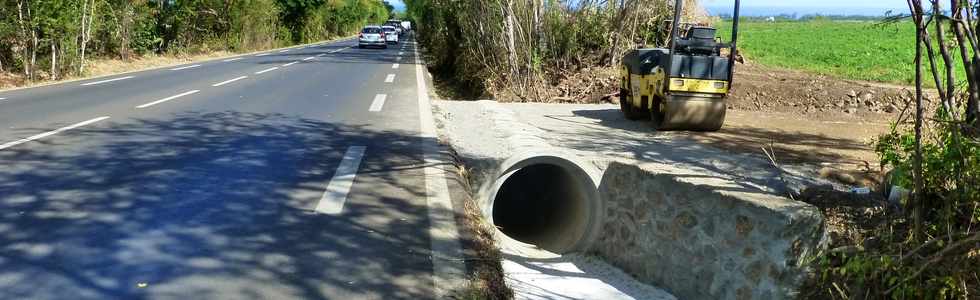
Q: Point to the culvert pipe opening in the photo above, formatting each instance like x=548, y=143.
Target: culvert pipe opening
x=553, y=206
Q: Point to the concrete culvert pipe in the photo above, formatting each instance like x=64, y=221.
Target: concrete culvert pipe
x=550, y=201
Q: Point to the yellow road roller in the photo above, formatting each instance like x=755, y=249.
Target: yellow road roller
x=691, y=93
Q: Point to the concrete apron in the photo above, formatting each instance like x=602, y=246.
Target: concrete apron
x=696, y=236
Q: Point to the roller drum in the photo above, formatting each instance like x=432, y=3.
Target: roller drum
x=695, y=113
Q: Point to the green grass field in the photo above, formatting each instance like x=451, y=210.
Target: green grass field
x=850, y=50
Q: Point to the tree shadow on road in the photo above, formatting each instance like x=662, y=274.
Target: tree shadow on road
x=212, y=205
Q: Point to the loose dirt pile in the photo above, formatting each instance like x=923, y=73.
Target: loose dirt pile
x=765, y=89
x=760, y=88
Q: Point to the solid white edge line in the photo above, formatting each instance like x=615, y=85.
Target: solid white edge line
x=395, y=66
x=107, y=80
x=390, y=78
x=267, y=70
x=185, y=68
x=50, y=133
x=283, y=51
x=168, y=99
x=290, y=64
x=263, y=54
x=229, y=81
x=447, y=254
x=1, y=98
x=232, y=59
x=378, y=103
x=332, y=201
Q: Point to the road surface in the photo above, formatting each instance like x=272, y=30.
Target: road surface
x=293, y=173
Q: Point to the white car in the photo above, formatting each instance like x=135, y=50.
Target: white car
x=397, y=25
x=391, y=35
x=372, y=36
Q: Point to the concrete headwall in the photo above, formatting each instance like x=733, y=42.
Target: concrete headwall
x=679, y=228
x=704, y=238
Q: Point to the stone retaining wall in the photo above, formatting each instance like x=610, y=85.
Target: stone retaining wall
x=704, y=238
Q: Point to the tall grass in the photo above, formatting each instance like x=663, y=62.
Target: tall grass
x=860, y=50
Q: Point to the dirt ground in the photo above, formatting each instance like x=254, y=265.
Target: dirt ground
x=806, y=118
x=760, y=88
x=810, y=119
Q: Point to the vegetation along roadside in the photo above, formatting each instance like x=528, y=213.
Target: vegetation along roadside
x=52, y=40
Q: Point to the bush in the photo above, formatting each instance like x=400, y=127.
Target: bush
x=520, y=48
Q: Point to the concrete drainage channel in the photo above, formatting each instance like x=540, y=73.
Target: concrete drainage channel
x=694, y=235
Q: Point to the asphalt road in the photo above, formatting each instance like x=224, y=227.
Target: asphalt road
x=289, y=174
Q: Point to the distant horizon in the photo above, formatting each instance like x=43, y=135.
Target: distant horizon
x=764, y=11
x=771, y=10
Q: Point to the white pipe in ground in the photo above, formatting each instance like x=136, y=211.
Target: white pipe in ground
x=547, y=199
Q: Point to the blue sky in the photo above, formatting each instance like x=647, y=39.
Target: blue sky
x=398, y=4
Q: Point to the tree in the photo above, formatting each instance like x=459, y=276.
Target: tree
x=391, y=9
x=61, y=36
x=519, y=48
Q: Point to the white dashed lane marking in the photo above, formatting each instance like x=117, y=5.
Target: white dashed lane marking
x=185, y=67
x=332, y=201
x=50, y=133
x=390, y=78
x=379, y=103
x=267, y=70
x=229, y=81
x=107, y=80
x=167, y=99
